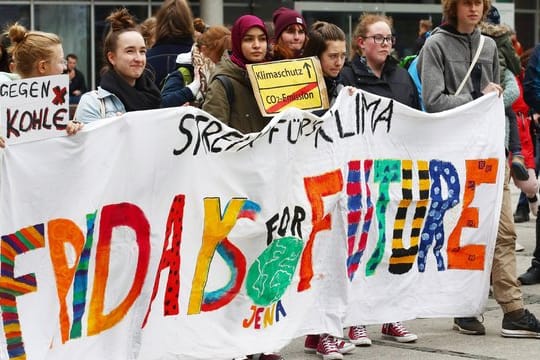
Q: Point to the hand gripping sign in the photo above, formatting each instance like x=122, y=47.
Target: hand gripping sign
x=279, y=85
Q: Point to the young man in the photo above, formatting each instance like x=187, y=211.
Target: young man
x=77, y=84
x=442, y=65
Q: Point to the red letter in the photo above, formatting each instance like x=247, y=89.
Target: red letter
x=170, y=258
x=112, y=216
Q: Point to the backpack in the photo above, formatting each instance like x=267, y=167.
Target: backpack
x=186, y=73
x=406, y=61
x=413, y=72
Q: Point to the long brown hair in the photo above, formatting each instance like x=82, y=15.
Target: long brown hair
x=174, y=20
x=449, y=10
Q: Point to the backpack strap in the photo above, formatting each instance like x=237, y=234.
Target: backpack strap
x=473, y=62
x=185, y=73
x=228, y=86
x=102, y=107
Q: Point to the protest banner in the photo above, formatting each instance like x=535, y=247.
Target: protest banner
x=34, y=108
x=283, y=84
x=145, y=234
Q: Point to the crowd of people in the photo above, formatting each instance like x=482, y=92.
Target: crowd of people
x=174, y=59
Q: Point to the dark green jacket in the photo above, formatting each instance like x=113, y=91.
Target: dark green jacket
x=243, y=114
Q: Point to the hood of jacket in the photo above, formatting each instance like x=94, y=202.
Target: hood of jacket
x=184, y=58
x=464, y=42
x=494, y=31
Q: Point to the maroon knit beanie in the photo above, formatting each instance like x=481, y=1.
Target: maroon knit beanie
x=284, y=17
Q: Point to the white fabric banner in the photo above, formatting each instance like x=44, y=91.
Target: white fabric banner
x=164, y=234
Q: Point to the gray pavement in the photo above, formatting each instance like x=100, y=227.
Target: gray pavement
x=437, y=340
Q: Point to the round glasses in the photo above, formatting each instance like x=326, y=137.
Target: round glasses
x=380, y=39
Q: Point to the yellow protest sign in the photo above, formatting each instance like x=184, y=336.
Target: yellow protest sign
x=279, y=85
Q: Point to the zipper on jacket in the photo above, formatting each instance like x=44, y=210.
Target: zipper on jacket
x=469, y=37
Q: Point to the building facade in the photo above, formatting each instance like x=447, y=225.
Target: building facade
x=81, y=23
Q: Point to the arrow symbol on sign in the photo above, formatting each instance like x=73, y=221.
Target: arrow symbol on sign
x=308, y=68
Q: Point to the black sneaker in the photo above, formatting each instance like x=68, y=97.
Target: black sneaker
x=521, y=215
x=519, y=170
x=469, y=326
x=527, y=326
x=530, y=277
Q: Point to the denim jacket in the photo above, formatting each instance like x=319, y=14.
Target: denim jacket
x=98, y=104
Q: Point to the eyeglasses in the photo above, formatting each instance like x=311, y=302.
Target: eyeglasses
x=380, y=39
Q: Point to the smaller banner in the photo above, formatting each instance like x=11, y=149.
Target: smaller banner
x=279, y=85
x=34, y=108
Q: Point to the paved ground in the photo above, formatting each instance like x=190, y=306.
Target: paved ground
x=438, y=341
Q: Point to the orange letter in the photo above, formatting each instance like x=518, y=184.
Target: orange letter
x=60, y=233
x=470, y=257
x=317, y=187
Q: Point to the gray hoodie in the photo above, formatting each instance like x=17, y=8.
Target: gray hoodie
x=443, y=63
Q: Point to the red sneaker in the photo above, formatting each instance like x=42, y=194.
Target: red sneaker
x=358, y=336
x=310, y=345
x=328, y=348
x=344, y=347
x=396, y=331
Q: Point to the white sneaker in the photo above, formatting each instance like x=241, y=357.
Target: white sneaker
x=519, y=247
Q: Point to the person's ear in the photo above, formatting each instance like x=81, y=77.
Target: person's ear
x=360, y=41
x=42, y=66
x=111, y=57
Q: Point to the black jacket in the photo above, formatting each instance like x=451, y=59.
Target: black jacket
x=394, y=83
x=161, y=58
